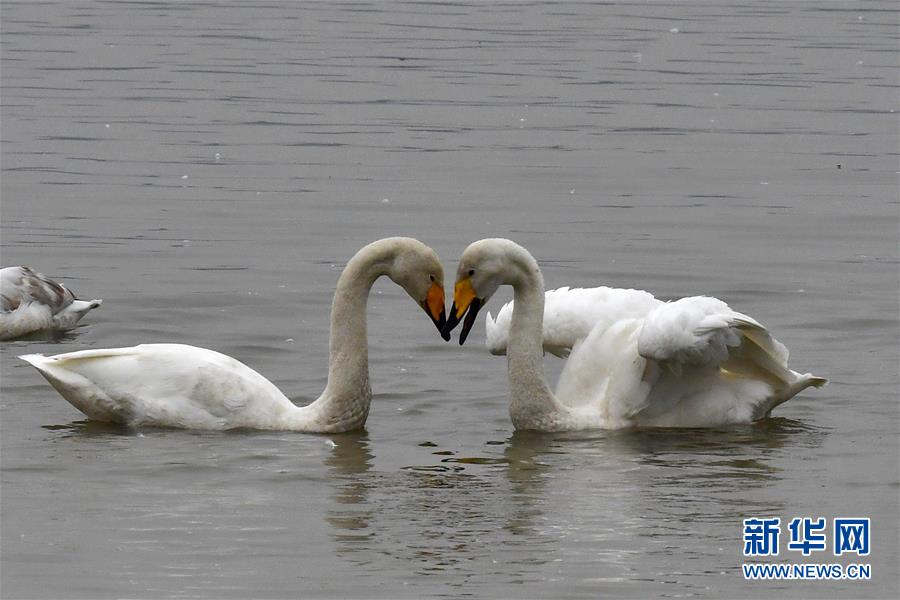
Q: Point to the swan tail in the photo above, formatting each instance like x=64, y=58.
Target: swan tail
x=785, y=393
x=760, y=356
x=802, y=381
x=816, y=382
x=77, y=389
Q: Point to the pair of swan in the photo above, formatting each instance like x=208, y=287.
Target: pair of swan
x=633, y=360
x=32, y=303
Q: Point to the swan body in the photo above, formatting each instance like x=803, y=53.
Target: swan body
x=633, y=360
x=32, y=303
x=175, y=385
x=170, y=385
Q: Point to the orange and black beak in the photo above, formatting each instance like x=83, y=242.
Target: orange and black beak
x=434, y=306
x=465, y=302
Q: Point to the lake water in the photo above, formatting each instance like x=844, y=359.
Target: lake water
x=207, y=168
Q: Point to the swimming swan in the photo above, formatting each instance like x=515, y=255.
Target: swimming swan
x=32, y=303
x=174, y=385
x=633, y=360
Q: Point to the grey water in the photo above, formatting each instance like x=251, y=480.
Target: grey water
x=208, y=167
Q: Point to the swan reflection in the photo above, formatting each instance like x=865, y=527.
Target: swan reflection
x=535, y=506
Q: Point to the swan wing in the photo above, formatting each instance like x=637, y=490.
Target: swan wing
x=699, y=331
x=21, y=285
x=570, y=315
x=693, y=362
x=711, y=365
x=31, y=302
x=169, y=385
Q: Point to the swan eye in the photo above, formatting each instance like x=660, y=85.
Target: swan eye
x=471, y=272
x=431, y=277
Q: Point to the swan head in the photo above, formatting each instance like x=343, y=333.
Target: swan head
x=416, y=268
x=484, y=266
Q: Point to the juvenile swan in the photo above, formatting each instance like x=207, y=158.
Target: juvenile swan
x=173, y=385
x=633, y=360
x=32, y=303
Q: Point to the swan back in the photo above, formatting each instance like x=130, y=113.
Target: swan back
x=170, y=385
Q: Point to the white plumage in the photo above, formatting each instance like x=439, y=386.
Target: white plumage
x=32, y=303
x=570, y=314
x=633, y=360
x=175, y=385
x=166, y=385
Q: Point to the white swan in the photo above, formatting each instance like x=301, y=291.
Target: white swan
x=174, y=385
x=633, y=360
x=32, y=303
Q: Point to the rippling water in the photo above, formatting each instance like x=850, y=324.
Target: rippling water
x=208, y=167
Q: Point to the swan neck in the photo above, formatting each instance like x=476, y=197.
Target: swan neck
x=532, y=405
x=525, y=337
x=348, y=346
x=344, y=405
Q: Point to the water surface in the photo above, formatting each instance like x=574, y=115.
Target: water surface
x=208, y=167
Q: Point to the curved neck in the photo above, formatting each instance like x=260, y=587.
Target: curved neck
x=531, y=404
x=344, y=405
